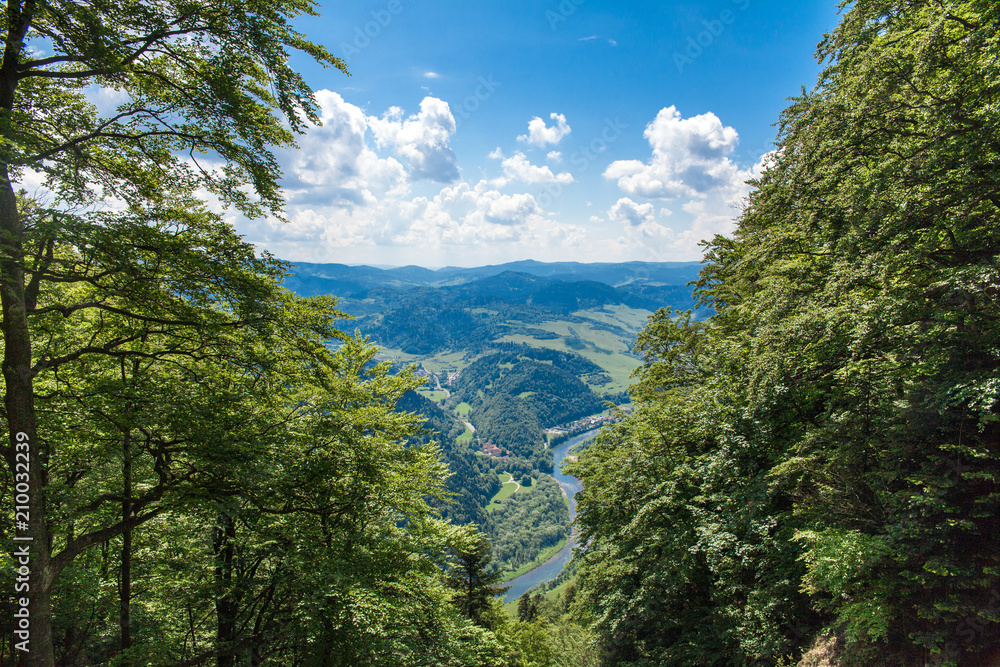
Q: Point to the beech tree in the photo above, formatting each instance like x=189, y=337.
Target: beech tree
x=198, y=79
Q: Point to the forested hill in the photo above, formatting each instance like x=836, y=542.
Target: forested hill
x=310, y=279
x=424, y=312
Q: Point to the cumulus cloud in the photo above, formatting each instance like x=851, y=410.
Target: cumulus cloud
x=627, y=211
x=554, y=156
x=421, y=139
x=335, y=165
x=690, y=159
x=460, y=220
x=540, y=134
x=638, y=219
x=348, y=189
x=518, y=168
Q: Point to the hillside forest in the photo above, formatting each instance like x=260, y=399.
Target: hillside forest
x=209, y=462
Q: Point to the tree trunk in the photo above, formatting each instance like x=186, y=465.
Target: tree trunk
x=19, y=397
x=19, y=400
x=126, y=587
x=226, y=605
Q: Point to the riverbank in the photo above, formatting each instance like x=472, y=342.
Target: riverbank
x=543, y=556
x=550, y=569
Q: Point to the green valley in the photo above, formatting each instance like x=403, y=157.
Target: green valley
x=506, y=356
x=784, y=454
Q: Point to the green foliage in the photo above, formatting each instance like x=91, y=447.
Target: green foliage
x=526, y=523
x=823, y=452
x=264, y=495
x=474, y=581
x=470, y=483
x=195, y=79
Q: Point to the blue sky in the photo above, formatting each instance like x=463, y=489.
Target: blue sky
x=473, y=133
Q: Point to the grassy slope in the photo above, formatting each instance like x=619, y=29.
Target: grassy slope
x=505, y=492
x=607, y=349
x=465, y=437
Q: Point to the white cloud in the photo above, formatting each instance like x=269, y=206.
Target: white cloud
x=459, y=220
x=539, y=134
x=690, y=163
x=431, y=75
x=335, y=165
x=519, y=168
x=593, y=37
x=106, y=99
x=421, y=139
x=348, y=202
x=689, y=159
x=627, y=211
x=554, y=156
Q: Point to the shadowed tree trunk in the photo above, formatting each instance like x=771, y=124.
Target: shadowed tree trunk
x=226, y=605
x=126, y=587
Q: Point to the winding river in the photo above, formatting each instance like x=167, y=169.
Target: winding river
x=551, y=568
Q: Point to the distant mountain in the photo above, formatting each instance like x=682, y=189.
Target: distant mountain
x=343, y=280
x=424, y=312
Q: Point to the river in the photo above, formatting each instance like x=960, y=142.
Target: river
x=551, y=568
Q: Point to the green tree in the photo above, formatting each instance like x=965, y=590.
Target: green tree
x=471, y=578
x=197, y=79
x=823, y=453
x=524, y=607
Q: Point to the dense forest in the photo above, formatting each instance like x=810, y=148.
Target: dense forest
x=539, y=518
x=814, y=472
x=472, y=480
x=203, y=468
x=518, y=391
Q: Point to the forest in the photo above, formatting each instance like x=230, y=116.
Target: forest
x=423, y=317
x=540, y=517
x=816, y=468
x=203, y=468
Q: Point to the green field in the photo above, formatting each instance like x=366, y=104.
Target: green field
x=463, y=409
x=432, y=394
x=507, y=490
x=632, y=319
x=443, y=364
x=465, y=437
